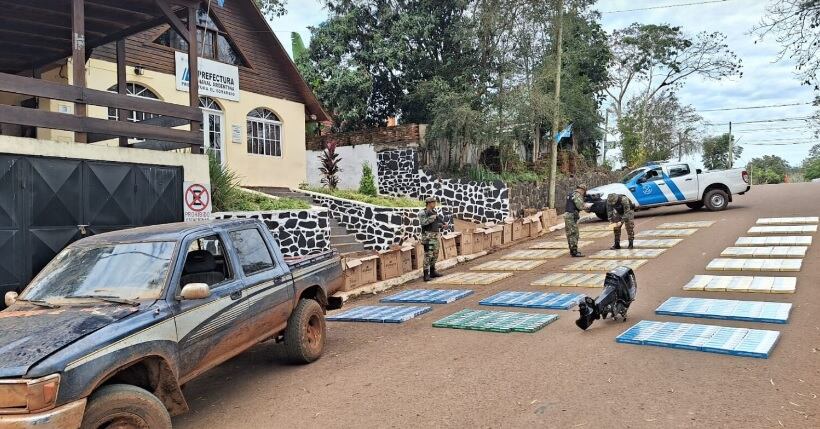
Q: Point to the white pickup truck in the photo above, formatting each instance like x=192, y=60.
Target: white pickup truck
x=671, y=183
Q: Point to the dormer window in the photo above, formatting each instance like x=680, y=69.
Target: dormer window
x=212, y=40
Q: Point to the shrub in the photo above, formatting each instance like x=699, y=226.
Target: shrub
x=228, y=196
x=367, y=185
x=330, y=165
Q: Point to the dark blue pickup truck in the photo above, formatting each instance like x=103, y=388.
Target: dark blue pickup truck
x=109, y=331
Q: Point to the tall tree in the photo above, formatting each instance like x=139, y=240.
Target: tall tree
x=715, y=153
x=658, y=129
x=795, y=25
x=768, y=169
x=649, y=58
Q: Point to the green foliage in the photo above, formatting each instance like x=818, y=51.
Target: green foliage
x=271, y=8
x=481, y=174
x=811, y=168
x=228, y=196
x=330, y=165
x=715, y=153
x=367, y=185
x=384, y=201
x=768, y=169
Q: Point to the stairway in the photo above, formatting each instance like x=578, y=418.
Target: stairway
x=340, y=238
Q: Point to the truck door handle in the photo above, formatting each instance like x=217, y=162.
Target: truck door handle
x=689, y=179
x=661, y=184
x=236, y=295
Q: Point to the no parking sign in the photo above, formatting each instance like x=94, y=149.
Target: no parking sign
x=196, y=201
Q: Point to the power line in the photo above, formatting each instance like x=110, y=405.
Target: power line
x=756, y=107
x=779, y=144
x=801, y=118
x=664, y=6
x=740, y=131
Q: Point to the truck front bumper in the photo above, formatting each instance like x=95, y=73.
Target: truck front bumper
x=68, y=416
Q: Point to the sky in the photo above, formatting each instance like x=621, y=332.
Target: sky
x=765, y=81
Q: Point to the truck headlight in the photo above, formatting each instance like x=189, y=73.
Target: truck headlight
x=29, y=395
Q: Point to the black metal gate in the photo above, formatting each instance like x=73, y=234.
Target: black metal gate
x=47, y=203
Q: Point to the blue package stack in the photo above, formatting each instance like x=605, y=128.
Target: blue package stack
x=379, y=314
x=547, y=300
x=707, y=338
x=428, y=296
x=748, y=311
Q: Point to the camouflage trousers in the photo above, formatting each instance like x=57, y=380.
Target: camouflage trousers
x=630, y=230
x=571, y=227
x=430, y=242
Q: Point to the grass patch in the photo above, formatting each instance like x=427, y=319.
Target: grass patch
x=251, y=202
x=481, y=174
x=227, y=196
x=385, y=201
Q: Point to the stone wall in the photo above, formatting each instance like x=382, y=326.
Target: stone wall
x=398, y=173
x=376, y=227
x=298, y=232
x=469, y=200
x=536, y=195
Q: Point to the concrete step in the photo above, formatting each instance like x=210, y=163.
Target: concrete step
x=338, y=230
x=343, y=239
x=348, y=248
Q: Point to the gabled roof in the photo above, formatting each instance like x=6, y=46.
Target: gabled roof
x=280, y=54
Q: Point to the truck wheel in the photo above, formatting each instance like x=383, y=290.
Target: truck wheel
x=125, y=406
x=716, y=200
x=305, y=334
x=695, y=206
x=601, y=215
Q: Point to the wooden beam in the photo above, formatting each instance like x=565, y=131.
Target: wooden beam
x=193, y=68
x=57, y=91
x=174, y=20
x=24, y=23
x=62, y=121
x=78, y=58
x=121, y=84
x=47, y=11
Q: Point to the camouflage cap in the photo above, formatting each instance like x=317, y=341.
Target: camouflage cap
x=582, y=186
x=430, y=199
x=612, y=198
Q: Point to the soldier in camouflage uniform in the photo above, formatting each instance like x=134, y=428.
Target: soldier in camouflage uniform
x=431, y=224
x=620, y=213
x=575, y=204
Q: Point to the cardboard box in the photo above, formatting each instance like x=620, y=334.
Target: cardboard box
x=448, y=245
x=537, y=227
x=507, y=234
x=518, y=229
x=359, y=270
x=389, y=265
x=480, y=242
x=496, y=236
x=526, y=227
x=550, y=217
x=407, y=258
x=464, y=243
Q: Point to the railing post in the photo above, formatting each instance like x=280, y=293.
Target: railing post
x=78, y=58
x=193, y=80
x=121, y=85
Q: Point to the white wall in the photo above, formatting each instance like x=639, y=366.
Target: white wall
x=351, y=164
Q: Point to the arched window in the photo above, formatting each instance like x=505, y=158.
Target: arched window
x=209, y=103
x=264, y=133
x=134, y=90
x=213, y=124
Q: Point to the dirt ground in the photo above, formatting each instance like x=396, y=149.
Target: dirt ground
x=414, y=375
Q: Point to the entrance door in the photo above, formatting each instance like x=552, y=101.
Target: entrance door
x=213, y=127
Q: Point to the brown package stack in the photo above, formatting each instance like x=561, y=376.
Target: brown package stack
x=507, y=235
x=359, y=270
x=537, y=227
x=389, y=264
x=448, y=245
x=407, y=258
x=495, y=235
x=464, y=243
x=518, y=230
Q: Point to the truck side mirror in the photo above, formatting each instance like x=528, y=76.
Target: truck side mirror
x=195, y=291
x=11, y=298
x=699, y=171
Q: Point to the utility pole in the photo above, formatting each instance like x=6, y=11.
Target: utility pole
x=606, y=133
x=556, y=121
x=731, y=147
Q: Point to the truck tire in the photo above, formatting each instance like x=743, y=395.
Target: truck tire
x=305, y=334
x=125, y=406
x=715, y=200
x=697, y=205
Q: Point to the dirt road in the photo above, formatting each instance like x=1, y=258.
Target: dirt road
x=414, y=375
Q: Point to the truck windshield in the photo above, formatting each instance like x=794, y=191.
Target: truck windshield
x=130, y=271
x=632, y=175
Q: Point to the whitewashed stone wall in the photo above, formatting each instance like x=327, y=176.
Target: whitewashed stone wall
x=376, y=227
x=399, y=173
x=298, y=232
x=478, y=202
x=352, y=158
